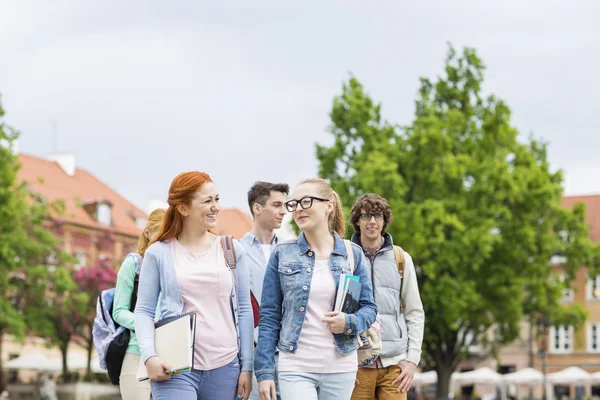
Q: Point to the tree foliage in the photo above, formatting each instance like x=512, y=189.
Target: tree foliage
x=92, y=281
x=478, y=208
x=28, y=249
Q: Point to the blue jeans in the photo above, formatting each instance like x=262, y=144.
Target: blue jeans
x=216, y=384
x=307, y=386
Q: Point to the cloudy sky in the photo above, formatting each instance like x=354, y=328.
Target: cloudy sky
x=142, y=90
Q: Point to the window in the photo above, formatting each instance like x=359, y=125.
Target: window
x=593, y=337
x=561, y=339
x=593, y=288
x=13, y=375
x=104, y=214
x=558, y=259
x=568, y=293
x=507, y=369
x=81, y=259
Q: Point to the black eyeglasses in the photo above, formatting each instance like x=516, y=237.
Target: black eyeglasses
x=305, y=202
x=368, y=216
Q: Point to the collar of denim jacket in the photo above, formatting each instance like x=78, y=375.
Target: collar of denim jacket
x=339, y=247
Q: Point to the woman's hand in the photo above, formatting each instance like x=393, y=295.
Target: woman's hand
x=158, y=370
x=336, y=321
x=266, y=390
x=244, y=385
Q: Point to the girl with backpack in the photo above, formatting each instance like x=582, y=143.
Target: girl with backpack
x=186, y=265
x=317, y=346
x=130, y=388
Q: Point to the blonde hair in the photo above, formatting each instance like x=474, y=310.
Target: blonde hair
x=337, y=220
x=155, y=220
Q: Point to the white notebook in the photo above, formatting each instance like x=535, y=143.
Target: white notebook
x=174, y=343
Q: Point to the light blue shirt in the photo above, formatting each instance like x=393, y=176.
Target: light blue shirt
x=256, y=261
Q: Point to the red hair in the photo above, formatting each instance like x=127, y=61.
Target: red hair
x=181, y=192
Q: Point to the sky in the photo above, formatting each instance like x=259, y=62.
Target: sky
x=140, y=91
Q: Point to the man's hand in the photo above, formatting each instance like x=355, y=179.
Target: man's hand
x=406, y=375
x=336, y=321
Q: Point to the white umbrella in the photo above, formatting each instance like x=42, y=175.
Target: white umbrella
x=595, y=377
x=526, y=376
x=481, y=375
x=33, y=361
x=425, y=378
x=569, y=376
x=76, y=360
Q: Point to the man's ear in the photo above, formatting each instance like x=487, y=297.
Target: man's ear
x=257, y=208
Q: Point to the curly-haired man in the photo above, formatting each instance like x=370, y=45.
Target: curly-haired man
x=398, y=300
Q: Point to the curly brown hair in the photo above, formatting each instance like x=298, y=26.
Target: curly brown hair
x=371, y=203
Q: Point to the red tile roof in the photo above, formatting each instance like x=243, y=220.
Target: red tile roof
x=49, y=180
x=592, y=210
x=234, y=222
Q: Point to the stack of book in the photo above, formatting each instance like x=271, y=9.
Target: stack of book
x=348, y=295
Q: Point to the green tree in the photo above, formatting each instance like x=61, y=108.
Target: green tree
x=478, y=209
x=92, y=281
x=65, y=313
x=28, y=249
x=25, y=244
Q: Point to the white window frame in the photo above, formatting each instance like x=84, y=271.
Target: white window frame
x=590, y=337
x=558, y=260
x=568, y=293
x=591, y=282
x=565, y=338
x=104, y=213
x=81, y=259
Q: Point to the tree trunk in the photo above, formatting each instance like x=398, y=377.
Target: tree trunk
x=443, y=382
x=2, y=377
x=64, y=348
x=531, y=352
x=531, y=341
x=90, y=347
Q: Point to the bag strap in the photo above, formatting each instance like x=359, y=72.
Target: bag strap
x=350, y=255
x=138, y=262
x=136, y=280
x=399, y=256
x=230, y=257
x=228, y=251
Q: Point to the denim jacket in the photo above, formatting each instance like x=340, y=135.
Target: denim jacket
x=285, y=298
x=158, y=276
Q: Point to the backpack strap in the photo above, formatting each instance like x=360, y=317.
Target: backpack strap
x=350, y=255
x=138, y=262
x=399, y=256
x=138, y=265
x=228, y=251
x=230, y=258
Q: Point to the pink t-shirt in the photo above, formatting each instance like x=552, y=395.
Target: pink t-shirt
x=206, y=285
x=317, y=351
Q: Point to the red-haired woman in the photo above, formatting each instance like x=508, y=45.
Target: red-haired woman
x=186, y=266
